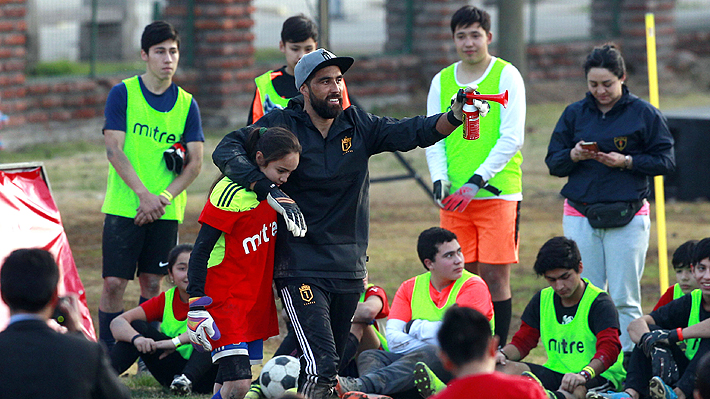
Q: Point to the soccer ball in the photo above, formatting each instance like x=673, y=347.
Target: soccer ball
x=279, y=374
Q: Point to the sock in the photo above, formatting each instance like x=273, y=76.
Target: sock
x=105, y=330
x=503, y=312
x=218, y=395
x=141, y=299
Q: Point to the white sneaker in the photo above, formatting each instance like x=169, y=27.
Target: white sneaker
x=181, y=385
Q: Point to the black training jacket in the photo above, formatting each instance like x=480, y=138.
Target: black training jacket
x=633, y=126
x=330, y=185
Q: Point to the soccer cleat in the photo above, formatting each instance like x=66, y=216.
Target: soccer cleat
x=255, y=392
x=363, y=395
x=607, y=395
x=181, y=385
x=659, y=390
x=529, y=374
x=426, y=381
x=347, y=384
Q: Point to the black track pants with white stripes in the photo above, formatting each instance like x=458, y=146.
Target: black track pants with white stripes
x=321, y=321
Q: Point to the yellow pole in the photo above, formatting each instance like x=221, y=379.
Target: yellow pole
x=657, y=180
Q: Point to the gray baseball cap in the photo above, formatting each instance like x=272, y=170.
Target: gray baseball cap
x=316, y=60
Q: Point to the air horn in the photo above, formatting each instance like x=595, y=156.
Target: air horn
x=471, y=129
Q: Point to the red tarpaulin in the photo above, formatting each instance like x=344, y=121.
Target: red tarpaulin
x=29, y=218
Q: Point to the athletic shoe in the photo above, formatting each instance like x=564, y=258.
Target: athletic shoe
x=426, y=381
x=529, y=374
x=255, y=392
x=659, y=390
x=607, y=395
x=181, y=385
x=363, y=395
x=347, y=384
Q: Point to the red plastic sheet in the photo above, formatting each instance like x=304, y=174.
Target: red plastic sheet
x=29, y=218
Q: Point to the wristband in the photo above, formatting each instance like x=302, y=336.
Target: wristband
x=590, y=370
x=135, y=337
x=452, y=119
x=176, y=342
x=679, y=330
x=167, y=195
x=504, y=354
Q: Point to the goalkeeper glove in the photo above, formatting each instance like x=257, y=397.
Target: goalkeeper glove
x=459, y=200
x=200, y=324
x=663, y=365
x=441, y=191
x=283, y=204
x=652, y=338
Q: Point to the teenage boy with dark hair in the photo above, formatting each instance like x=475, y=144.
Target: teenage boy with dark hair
x=682, y=264
x=145, y=194
x=468, y=351
x=577, y=323
x=657, y=367
x=415, y=318
x=299, y=36
x=485, y=222
x=36, y=361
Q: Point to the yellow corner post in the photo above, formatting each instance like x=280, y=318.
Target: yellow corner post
x=657, y=180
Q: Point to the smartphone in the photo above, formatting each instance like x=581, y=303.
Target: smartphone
x=590, y=146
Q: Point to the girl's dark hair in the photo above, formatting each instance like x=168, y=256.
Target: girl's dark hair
x=607, y=57
x=176, y=251
x=274, y=143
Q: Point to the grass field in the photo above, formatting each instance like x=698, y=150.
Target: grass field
x=399, y=212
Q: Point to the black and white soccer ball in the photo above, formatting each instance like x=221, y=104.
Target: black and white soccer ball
x=278, y=375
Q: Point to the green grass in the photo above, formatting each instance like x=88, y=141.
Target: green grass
x=399, y=211
x=71, y=68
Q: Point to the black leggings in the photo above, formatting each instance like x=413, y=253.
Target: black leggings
x=199, y=368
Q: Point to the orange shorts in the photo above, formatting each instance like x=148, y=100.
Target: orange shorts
x=487, y=230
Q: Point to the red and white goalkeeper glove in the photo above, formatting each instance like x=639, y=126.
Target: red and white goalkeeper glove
x=459, y=200
x=201, y=325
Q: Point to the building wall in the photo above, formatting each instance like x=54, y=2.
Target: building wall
x=223, y=72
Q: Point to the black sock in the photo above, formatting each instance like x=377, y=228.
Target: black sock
x=104, y=328
x=141, y=299
x=503, y=312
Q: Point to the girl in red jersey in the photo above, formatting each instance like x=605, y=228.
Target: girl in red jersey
x=232, y=307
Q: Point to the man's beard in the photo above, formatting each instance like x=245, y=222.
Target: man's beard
x=324, y=108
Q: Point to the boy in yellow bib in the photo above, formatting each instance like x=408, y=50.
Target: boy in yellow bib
x=415, y=317
x=485, y=223
x=577, y=323
x=145, y=199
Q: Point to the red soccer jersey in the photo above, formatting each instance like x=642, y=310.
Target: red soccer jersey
x=154, y=308
x=240, y=286
x=493, y=385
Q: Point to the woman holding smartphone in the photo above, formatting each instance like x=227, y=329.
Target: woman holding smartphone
x=605, y=208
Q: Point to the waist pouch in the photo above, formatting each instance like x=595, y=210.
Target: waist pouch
x=604, y=215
